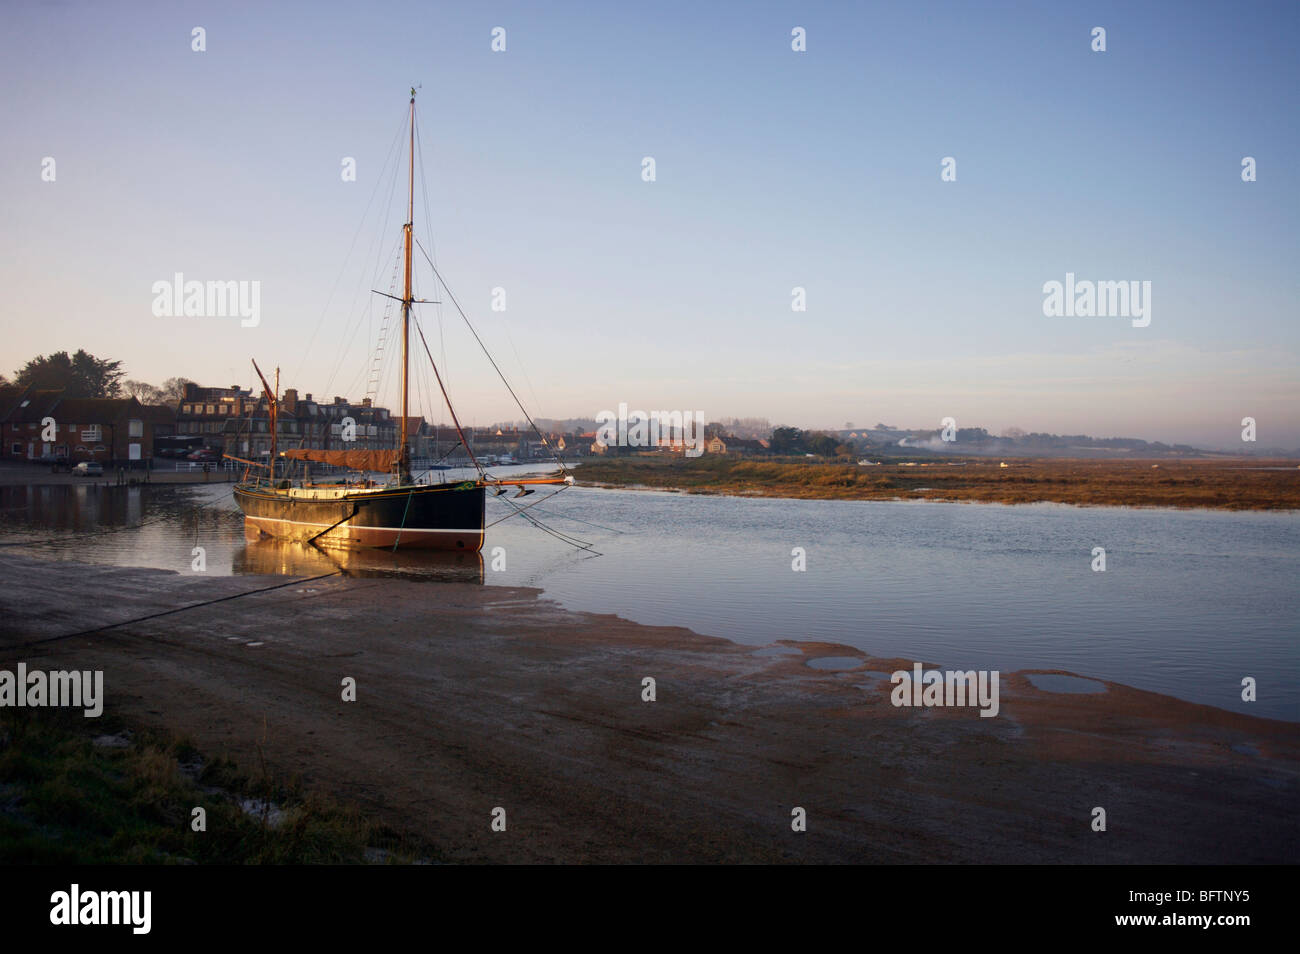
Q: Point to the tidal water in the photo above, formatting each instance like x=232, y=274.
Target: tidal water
x=1190, y=603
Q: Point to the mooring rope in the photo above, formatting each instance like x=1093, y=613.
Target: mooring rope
x=179, y=609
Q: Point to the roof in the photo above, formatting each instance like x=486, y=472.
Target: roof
x=744, y=442
x=157, y=413
x=10, y=394
x=38, y=404
x=94, y=410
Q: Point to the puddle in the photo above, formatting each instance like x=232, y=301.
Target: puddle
x=111, y=741
x=777, y=651
x=1054, y=682
x=875, y=678
x=835, y=662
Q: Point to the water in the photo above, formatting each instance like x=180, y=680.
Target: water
x=1190, y=602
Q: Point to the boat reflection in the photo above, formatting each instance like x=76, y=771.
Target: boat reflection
x=272, y=557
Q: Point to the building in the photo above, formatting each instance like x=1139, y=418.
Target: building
x=738, y=446
x=39, y=424
x=235, y=421
x=23, y=410
x=203, y=413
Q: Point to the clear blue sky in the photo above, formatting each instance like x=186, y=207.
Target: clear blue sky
x=775, y=169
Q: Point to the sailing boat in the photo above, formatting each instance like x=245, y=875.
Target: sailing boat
x=402, y=513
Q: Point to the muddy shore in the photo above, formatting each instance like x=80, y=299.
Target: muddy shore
x=471, y=697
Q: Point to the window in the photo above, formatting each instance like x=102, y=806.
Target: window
x=135, y=429
x=91, y=432
x=16, y=448
x=212, y=409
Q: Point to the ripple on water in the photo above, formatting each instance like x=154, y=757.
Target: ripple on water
x=778, y=651
x=1055, y=682
x=835, y=662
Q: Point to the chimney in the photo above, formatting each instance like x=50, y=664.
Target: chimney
x=308, y=397
x=290, y=400
x=365, y=402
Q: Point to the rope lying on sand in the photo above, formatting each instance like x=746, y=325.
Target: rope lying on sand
x=179, y=609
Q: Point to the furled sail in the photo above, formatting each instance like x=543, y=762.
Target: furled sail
x=378, y=460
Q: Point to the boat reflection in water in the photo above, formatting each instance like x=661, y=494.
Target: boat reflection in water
x=275, y=557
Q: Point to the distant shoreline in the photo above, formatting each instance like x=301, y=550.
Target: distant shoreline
x=1212, y=484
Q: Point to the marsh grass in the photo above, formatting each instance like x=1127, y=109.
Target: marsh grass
x=66, y=800
x=1217, y=483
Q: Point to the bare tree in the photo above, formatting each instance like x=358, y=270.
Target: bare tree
x=172, y=390
x=143, y=392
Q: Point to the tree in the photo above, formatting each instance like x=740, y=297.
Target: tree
x=786, y=440
x=173, y=390
x=80, y=376
x=142, y=392
x=822, y=445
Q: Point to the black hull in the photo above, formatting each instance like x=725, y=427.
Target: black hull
x=433, y=517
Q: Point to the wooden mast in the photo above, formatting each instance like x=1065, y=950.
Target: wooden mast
x=404, y=472
x=272, y=414
x=275, y=419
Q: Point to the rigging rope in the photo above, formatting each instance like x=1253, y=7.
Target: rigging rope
x=454, y=420
x=545, y=443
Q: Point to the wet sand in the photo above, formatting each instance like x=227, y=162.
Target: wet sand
x=473, y=697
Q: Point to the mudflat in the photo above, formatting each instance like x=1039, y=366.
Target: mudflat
x=470, y=698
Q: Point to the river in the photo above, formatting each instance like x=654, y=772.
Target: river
x=1189, y=604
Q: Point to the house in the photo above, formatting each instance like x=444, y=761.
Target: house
x=43, y=423
x=739, y=446
x=24, y=410
x=109, y=430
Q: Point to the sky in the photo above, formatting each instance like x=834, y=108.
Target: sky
x=774, y=169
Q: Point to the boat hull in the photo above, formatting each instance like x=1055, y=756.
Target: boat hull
x=433, y=517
